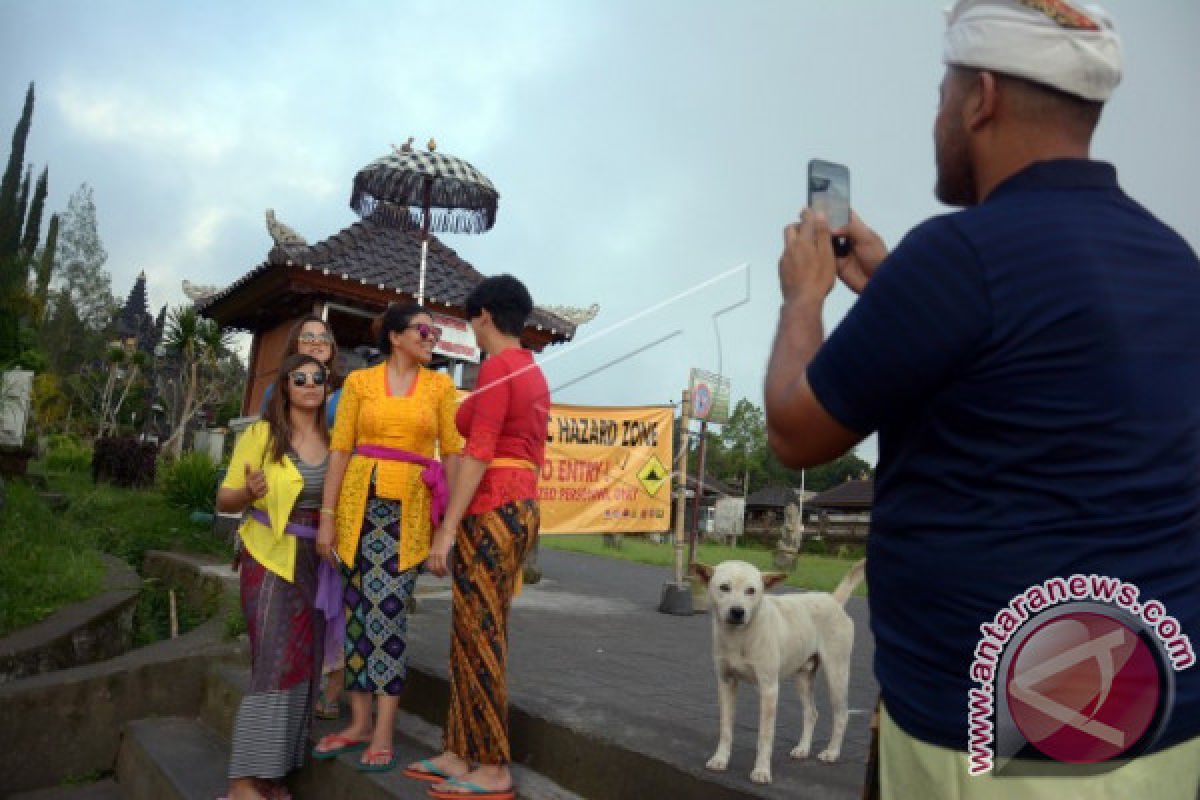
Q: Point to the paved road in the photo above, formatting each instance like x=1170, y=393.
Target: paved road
x=589, y=649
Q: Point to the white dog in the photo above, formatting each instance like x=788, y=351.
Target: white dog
x=763, y=639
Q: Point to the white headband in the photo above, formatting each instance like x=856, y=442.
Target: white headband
x=1051, y=42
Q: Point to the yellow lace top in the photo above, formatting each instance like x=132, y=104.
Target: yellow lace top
x=421, y=422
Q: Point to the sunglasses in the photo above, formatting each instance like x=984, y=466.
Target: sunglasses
x=302, y=378
x=314, y=338
x=428, y=333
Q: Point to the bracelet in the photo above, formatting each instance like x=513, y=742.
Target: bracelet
x=328, y=511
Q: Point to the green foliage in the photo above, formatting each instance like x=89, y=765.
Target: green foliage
x=235, y=623
x=190, y=481
x=152, y=617
x=66, y=453
x=739, y=455
x=44, y=564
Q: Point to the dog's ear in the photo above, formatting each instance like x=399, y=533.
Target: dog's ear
x=702, y=571
x=773, y=579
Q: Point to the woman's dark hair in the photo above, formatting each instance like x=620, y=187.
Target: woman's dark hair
x=278, y=406
x=293, y=347
x=396, y=319
x=506, y=298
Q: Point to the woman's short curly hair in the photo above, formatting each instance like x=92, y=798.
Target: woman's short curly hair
x=506, y=298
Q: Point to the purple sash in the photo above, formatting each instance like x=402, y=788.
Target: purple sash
x=434, y=474
x=329, y=586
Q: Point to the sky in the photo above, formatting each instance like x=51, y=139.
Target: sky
x=647, y=152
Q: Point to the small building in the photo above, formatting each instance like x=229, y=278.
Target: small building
x=348, y=279
x=712, y=491
x=843, y=513
x=766, y=510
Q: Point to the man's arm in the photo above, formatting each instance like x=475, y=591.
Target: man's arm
x=800, y=431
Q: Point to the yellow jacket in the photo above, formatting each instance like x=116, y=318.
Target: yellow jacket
x=421, y=422
x=271, y=546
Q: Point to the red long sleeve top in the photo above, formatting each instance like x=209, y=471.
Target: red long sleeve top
x=506, y=417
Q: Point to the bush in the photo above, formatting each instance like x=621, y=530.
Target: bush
x=124, y=461
x=65, y=453
x=191, y=482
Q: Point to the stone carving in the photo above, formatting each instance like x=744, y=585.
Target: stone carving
x=281, y=233
x=197, y=293
x=573, y=314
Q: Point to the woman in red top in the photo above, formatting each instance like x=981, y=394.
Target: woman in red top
x=492, y=522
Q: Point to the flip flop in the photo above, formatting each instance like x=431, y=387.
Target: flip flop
x=387, y=766
x=342, y=744
x=473, y=791
x=427, y=772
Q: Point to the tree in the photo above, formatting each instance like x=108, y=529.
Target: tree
x=79, y=263
x=836, y=472
x=45, y=271
x=33, y=222
x=10, y=221
x=197, y=372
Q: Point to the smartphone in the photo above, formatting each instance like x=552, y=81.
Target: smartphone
x=829, y=192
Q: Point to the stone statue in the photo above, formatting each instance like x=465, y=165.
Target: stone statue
x=283, y=234
x=197, y=293
x=573, y=314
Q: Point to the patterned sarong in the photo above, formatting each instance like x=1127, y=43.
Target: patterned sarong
x=489, y=551
x=377, y=598
x=270, y=731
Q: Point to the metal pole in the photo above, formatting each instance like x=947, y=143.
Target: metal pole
x=681, y=501
x=677, y=595
x=699, y=493
x=428, y=201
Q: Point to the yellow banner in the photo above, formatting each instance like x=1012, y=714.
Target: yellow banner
x=607, y=470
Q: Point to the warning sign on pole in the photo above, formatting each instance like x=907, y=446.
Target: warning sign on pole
x=607, y=470
x=710, y=397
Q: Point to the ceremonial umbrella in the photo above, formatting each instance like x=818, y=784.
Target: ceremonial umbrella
x=425, y=190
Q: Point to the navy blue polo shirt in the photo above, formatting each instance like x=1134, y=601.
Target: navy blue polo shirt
x=1032, y=366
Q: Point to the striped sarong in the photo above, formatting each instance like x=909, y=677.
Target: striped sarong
x=270, y=731
x=489, y=551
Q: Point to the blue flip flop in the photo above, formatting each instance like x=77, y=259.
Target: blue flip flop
x=427, y=772
x=343, y=744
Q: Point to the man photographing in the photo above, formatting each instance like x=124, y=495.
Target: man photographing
x=1032, y=366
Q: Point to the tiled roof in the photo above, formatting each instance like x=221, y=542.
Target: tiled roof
x=851, y=494
x=773, y=497
x=374, y=254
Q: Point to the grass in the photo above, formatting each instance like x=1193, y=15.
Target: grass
x=51, y=559
x=812, y=571
x=44, y=564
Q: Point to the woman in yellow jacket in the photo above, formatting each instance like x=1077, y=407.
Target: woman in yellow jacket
x=278, y=473
x=384, y=494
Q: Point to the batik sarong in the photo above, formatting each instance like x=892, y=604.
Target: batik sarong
x=489, y=551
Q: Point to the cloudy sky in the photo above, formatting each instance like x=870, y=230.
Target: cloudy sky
x=643, y=150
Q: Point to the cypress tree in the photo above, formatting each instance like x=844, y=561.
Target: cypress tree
x=11, y=182
x=33, y=222
x=11, y=245
x=45, y=271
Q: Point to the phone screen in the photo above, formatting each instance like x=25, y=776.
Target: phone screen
x=829, y=191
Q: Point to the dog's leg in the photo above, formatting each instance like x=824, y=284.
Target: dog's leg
x=804, y=682
x=726, y=695
x=768, y=698
x=837, y=678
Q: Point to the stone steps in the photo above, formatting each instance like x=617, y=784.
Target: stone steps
x=101, y=790
x=338, y=779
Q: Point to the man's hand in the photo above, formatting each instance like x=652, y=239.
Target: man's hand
x=867, y=252
x=439, y=552
x=807, y=267
x=256, y=483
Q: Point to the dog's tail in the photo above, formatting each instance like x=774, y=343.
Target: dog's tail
x=849, y=583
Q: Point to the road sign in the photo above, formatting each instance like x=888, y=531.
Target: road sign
x=710, y=397
x=653, y=475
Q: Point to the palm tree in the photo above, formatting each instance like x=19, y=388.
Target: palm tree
x=196, y=346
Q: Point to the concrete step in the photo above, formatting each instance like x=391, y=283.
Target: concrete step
x=171, y=758
x=101, y=790
x=339, y=779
